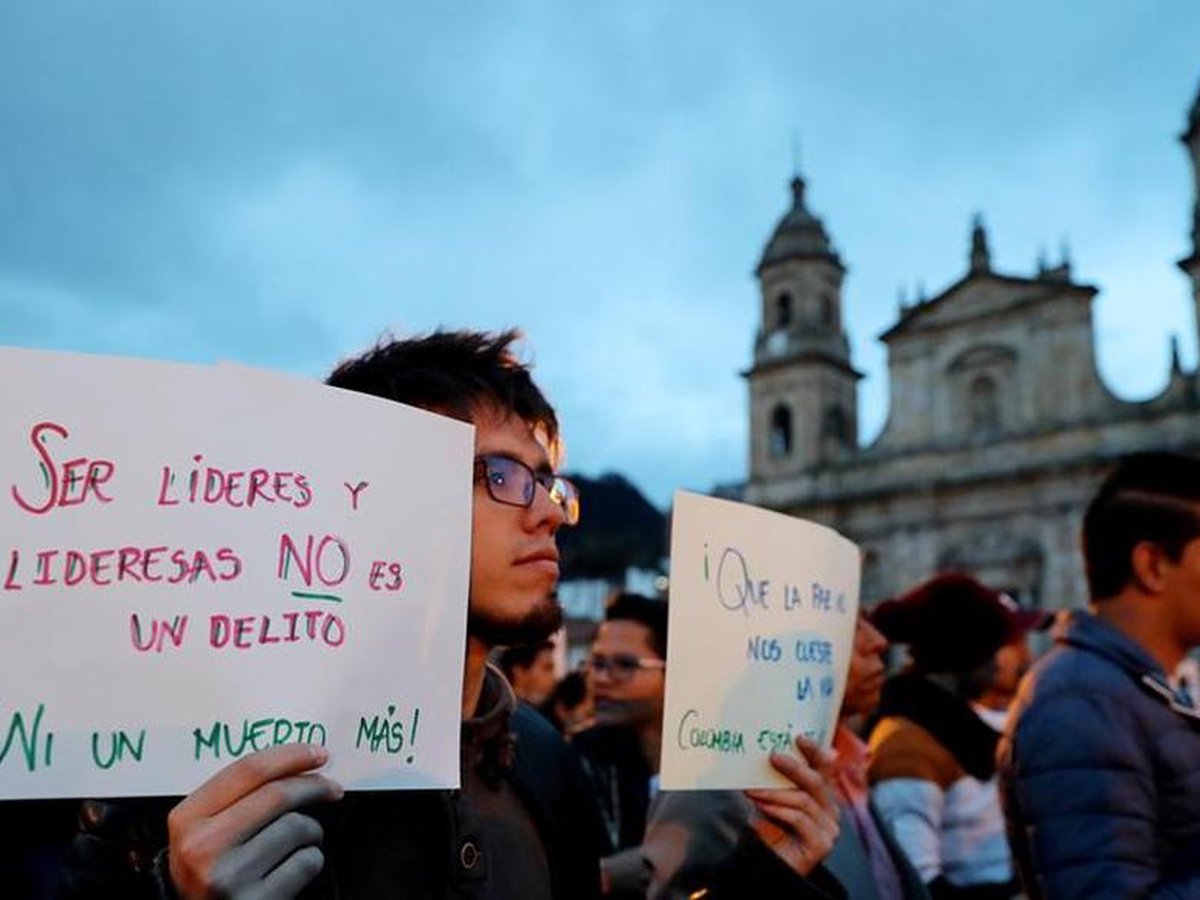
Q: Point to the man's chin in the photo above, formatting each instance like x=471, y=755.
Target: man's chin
x=625, y=712
x=611, y=715
x=536, y=625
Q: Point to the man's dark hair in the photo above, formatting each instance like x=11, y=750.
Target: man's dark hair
x=458, y=374
x=641, y=609
x=451, y=372
x=1151, y=497
x=520, y=656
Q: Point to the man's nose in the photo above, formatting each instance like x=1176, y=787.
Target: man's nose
x=544, y=511
x=876, y=642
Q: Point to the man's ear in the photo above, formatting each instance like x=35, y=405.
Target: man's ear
x=1149, y=562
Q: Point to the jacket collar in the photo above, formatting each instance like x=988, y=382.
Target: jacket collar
x=1087, y=631
x=487, y=743
x=948, y=717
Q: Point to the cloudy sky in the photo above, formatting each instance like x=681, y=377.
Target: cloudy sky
x=277, y=183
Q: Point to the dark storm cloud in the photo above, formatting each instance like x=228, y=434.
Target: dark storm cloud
x=133, y=126
x=277, y=183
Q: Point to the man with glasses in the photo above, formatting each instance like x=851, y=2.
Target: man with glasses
x=522, y=825
x=621, y=752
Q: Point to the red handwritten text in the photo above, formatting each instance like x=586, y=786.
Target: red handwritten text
x=244, y=632
x=330, y=562
x=386, y=576
x=117, y=565
x=210, y=486
x=69, y=483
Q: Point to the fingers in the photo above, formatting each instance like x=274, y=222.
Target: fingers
x=799, y=819
x=799, y=831
x=813, y=829
x=814, y=755
x=204, y=842
x=789, y=799
x=247, y=774
x=273, y=846
x=799, y=824
x=240, y=824
x=809, y=772
x=798, y=771
x=286, y=881
x=270, y=801
x=293, y=874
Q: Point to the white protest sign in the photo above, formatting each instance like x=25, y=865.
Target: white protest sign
x=197, y=563
x=762, y=616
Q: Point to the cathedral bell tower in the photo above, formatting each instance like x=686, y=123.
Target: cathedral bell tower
x=1191, y=265
x=803, y=390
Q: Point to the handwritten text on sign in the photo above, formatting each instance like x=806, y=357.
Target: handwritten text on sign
x=762, y=615
x=198, y=563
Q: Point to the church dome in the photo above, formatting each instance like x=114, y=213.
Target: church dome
x=799, y=234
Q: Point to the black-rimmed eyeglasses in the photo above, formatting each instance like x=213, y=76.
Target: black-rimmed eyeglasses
x=513, y=483
x=622, y=666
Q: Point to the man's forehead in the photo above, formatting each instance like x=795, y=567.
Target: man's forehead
x=625, y=632
x=503, y=430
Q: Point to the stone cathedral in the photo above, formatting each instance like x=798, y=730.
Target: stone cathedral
x=998, y=430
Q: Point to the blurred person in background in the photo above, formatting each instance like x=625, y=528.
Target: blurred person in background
x=867, y=859
x=932, y=770
x=569, y=706
x=529, y=668
x=1010, y=664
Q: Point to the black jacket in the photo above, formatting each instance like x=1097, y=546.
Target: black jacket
x=620, y=780
x=753, y=871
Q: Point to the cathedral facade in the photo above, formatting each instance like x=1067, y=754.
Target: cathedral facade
x=999, y=428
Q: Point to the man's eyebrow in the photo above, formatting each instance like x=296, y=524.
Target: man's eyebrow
x=541, y=467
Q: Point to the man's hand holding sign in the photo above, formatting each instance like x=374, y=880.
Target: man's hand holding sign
x=241, y=831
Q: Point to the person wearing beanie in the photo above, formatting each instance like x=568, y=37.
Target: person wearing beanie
x=932, y=771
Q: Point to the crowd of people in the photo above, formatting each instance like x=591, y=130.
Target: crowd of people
x=967, y=773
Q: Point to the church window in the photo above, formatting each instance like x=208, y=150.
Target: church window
x=783, y=310
x=983, y=405
x=780, y=443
